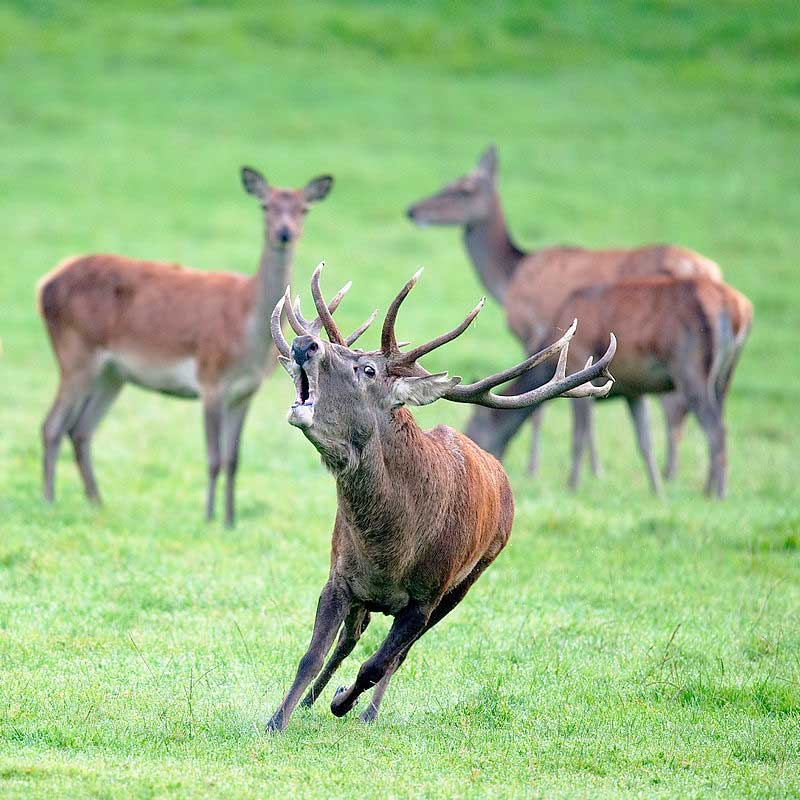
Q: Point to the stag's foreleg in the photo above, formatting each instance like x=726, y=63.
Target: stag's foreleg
x=448, y=602
x=408, y=625
x=355, y=624
x=333, y=606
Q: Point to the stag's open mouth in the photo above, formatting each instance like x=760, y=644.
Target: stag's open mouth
x=301, y=414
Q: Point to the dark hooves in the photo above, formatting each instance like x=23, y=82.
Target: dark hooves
x=273, y=726
x=369, y=714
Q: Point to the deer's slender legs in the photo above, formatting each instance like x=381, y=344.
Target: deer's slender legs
x=105, y=391
x=641, y=422
x=333, y=606
x=445, y=606
x=212, y=417
x=355, y=624
x=407, y=626
x=536, y=425
x=709, y=415
x=594, y=456
x=581, y=437
x=71, y=395
x=675, y=411
x=232, y=424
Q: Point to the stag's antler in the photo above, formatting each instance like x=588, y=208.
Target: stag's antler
x=302, y=326
x=577, y=384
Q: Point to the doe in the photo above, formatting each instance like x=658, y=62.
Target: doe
x=114, y=320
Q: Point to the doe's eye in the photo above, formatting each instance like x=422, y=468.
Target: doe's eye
x=369, y=371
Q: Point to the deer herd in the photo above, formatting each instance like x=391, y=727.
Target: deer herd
x=421, y=514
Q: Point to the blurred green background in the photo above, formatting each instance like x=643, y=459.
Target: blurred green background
x=620, y=646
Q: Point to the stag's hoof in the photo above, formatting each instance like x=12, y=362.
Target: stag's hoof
x=275, y=725
x=340, y=704
x=369, y=714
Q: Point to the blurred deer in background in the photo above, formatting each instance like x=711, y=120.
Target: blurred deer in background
x=421, y=514
x=114, y=320
x=675, y=335
x=532, y=286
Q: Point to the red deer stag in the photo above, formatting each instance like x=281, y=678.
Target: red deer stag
x=675, y=335
x=114, y=320
x=533, y=285
x=421, y=514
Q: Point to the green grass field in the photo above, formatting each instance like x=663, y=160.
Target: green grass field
x=620, y=647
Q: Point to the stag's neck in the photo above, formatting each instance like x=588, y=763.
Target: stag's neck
x=387, y=484
x=269, y=285
x=493, y=253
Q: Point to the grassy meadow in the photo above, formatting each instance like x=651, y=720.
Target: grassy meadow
x=620, y=646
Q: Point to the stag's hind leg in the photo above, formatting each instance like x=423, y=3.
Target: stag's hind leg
x=106, y=389
x=450, y=600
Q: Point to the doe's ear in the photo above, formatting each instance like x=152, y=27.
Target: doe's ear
x=254, y=182
x=487, y=163
x=317, y=188
x=419, y=391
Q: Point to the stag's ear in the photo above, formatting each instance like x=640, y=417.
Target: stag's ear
x=419, y=391
x=487, y=163
x=254, y=182
x=317, y=188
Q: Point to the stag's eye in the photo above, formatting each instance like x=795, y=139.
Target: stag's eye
x=369, y=371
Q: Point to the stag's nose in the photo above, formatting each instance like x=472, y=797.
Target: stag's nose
x=284, y=236
x=303, y=347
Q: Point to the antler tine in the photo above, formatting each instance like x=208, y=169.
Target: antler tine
x=277, y=333
x=560, y=347
x=560, y=385
x=388, y=340
x=300, y=328
x=322, y=308
x=413, y=355
x=315, y=326
x=361, y=328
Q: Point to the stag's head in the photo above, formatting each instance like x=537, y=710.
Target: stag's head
x=465, y=201
x=345, y=395
x=284, y=209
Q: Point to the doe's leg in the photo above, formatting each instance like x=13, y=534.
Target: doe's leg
x=641, y=421
x=105, y=391
x=536, y=424
x=232, y=424
x=72, y=393
x=212, y=418
x=675, y=411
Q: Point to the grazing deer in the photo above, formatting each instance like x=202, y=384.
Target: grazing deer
x=114, y=320
x=675, y=335
x=533, y=285
x=421, y=514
